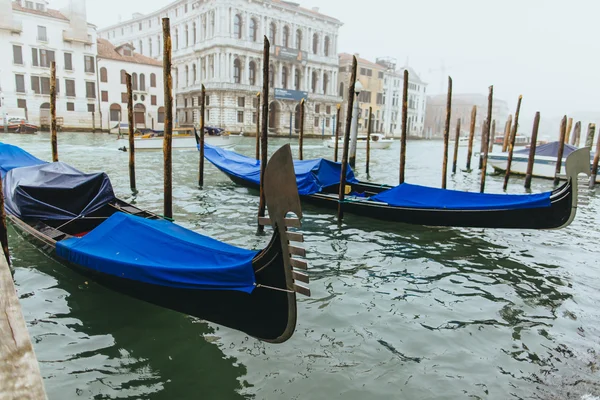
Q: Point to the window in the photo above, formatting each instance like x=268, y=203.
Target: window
x=103, y=75
x=140, y=26
x=42, y=58
x=187, y=36
x=240, y=117
x=326, y=46
x=255, y=102
x=317, y=108
x=153, y=80
x=150, y=47
x=90, y=90
x=21, y=103
x=17, y=55
x=141, y=48
x=328, y=110
x=134, y=81
x=315, y=46
x=272, y=32
x=208, y=115
x=211, y=66
x=124, y=98
x=252, y=73
x=194, y=74
x=187, y=75
x=380, y=98
x=241, y=102
x=237, y=76
x=91, y=107
x=299, y=39
x=40, y=85
x=364, y=97
x=286, y=36
x=123, y=77
x=207, y=100
x=341, y=91
x=194, y=31
x=271, y=76
x=42, y=34
x=253, y=117
x=161, y=115
x=253, y=30
x=380, y=75
x=39, y=7
x=153, y=100
x=325, y=83
x=29, y=4
x=20, y=83
x=70, y=106
x=142, y=82
x=70, y=87
x=176, y=39
x=185, y=103
x=297, y=79
x=284, y=77
x=314, y=82
x=237, y=26
x=104, y=94
x=326, y=122
x=89, y=64
x=68, y=62
x=316, y=122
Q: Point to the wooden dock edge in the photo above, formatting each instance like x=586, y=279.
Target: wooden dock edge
x=20, y=376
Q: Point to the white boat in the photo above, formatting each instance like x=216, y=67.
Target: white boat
x=544, y=165
x=378, y=141
x=182, y=139
x=462, y=142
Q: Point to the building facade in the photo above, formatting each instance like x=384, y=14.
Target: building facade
x=114, y=63
x=219, y=44
x=31, y=37
x=462, y=106
x=382, y=86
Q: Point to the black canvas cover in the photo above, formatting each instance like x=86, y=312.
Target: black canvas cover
x=55, y=191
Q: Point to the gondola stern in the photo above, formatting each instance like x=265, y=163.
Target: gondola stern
x=577, y=162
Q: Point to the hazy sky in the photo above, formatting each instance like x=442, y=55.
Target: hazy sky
x=546, y=50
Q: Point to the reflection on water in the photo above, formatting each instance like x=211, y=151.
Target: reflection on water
x=397, y=311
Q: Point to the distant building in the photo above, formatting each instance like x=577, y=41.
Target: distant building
x=147, y=86
x=31, y=37
x=219, y=44
x=462, y=106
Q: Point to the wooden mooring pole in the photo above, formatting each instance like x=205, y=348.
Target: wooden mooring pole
x=595, y=165
x=258, y=126
x=3, y=228
x=130, y=136
x=569, y=127
x=201, y=138
x=511, y=145
x=488, y=136
x=507, y=128
x=456, y=140
x=482, y=147
x=301, y=134
x=471, y=137
x=342, y=191
x=589, y=139
x=264, y=132
x=491, y=148
x=561, y=149
x=338, y=123
x=404, y=128
x=447, y=133
x=531, y=161
x=168, y=138
x=369, y=128
x=54, y=138
x=576, y=134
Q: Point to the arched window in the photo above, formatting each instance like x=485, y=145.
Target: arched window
x=103, y=75
x=253, y=30
x=237, y=26
x=115, y=112
x=299, y=39
x=272, y=32
x=252, y=76
x=286, y=36
x=314, y=82
x=297, y=79
x=195, y=38
x=212, y=23
x=325, y=83
x=187, y=36
x=284, y=77
x=123, y=77
x=150, y=47
x=142, y=82
x=187, y=76
x=326, y=47
x=152, y=80
x=194, y=75
x=134, y=81
x=237, y=71
x=315, y=43
x=161, y=115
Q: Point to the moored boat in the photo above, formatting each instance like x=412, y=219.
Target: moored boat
x=378, y=141
x=183, y=138
x=20, y=125
x=76, y=218
x=520, y=140
x=319, y=180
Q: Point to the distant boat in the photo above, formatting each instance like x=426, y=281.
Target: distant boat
x=544, y=165
x=520, y=140
x=20, y=125
x=462, y=142
x=183, y=138
x=378, y=141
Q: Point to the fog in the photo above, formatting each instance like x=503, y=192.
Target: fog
x=545, y=50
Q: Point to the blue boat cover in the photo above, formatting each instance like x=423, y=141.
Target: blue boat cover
x=55, y=191
x=414, y=196
x=162, y=253
x=311, y=175
x=15, y=157
x=550, y=150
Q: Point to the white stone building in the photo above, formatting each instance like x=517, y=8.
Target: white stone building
x=31, y=37
x=219, y=44
x=147, y=87
x=392, y=93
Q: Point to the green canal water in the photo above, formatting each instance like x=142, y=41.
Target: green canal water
x=397, y=311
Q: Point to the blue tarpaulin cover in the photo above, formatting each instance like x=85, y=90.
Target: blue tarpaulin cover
x=414, y=196
x=550, y=150
x=311, y=175
x=161, y=253
x=55, y=191
x=15, y=157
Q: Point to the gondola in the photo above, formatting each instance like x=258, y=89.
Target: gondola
x=76, y=218
x=319, y=180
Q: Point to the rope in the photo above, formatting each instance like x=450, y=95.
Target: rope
x=274, y=288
